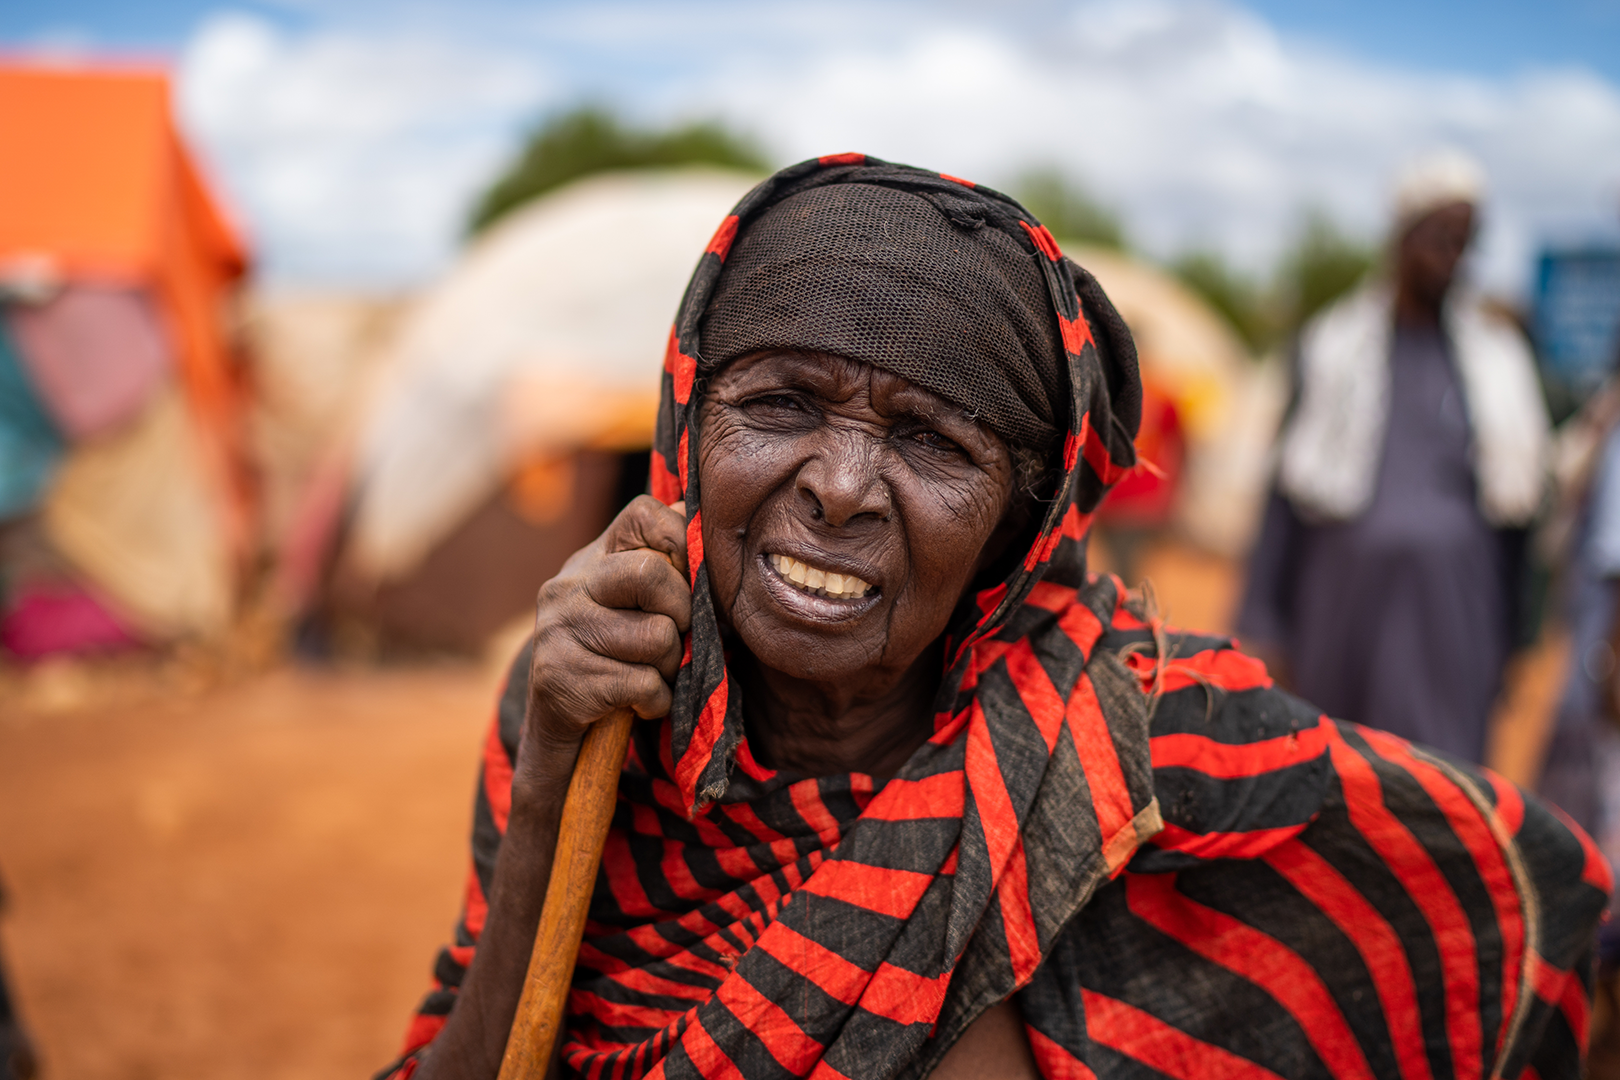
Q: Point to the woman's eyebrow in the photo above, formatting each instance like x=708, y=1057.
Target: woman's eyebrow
x=933, y=410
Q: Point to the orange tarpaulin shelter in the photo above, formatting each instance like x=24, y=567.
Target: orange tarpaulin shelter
x=97, y=185
x=98, y=192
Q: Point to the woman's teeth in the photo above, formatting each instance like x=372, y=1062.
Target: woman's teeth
x=821, y=582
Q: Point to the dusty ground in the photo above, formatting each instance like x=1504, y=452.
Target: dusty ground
x=251, y=879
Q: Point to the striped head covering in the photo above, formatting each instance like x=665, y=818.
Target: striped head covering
x=1175, y=869
x=1089, y=380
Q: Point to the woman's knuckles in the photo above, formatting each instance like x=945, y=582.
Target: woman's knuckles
x=631, y=640
x=640, y=580
x=608, y=627
x=586, y=672
x=645, y=692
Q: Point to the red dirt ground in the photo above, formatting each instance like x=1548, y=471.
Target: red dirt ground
x=246, y=882
x=251, y=880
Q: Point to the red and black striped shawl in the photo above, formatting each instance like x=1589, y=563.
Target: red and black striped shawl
x=1177, y=869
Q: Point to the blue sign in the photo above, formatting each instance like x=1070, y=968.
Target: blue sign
x=1577, y=319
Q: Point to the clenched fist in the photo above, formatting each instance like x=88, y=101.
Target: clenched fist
x=607, y=629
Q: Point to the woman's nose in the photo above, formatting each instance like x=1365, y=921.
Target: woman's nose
x=842, y=482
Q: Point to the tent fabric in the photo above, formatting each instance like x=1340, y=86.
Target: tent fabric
x=137, y=512
x=30, y=445
x=487, y=572
x=62, y=618
x=543, y=340
x=95, y=353
x=98, y=183
x=100, y=193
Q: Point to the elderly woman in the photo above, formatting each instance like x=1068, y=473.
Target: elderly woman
x=917, y=796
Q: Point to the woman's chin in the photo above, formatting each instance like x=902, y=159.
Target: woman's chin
x=810, y=637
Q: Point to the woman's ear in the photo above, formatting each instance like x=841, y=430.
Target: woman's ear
x=998, y=554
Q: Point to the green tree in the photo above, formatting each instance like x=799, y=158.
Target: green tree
x=590, y=139
x=1245, y=303
x=1069, y=210
x=1322, y=265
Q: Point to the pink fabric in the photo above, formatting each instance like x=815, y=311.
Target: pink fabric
x=95, y=354
x=307, y=543
x=62, y=618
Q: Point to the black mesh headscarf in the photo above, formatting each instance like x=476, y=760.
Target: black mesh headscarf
x=919, y=283
x=953, y=286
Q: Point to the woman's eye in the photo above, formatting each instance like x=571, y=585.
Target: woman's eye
x=776, y=401
x=780, y=409
x=935, y=441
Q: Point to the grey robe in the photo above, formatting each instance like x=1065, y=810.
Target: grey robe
x=1402, y=617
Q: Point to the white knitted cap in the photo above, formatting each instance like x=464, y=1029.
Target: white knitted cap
x=1435, y=179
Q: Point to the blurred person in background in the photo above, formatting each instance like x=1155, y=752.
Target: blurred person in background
x=1385, y=582
x=1581, y=770
x=1583, y=537
x=17, y=1060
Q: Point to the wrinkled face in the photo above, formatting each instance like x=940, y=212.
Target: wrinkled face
x=845, y=511
x=1431, y=249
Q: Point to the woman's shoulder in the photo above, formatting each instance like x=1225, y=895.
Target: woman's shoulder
x=1238, y=764
x=1242, y=767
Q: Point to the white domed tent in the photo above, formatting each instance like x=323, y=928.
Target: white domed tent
x=511, y=389
x=546, y=337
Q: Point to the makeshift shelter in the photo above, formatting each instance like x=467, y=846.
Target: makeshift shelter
x=497, y=444
x=116, y=268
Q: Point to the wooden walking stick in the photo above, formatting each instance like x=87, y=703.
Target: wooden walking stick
x=580, y=838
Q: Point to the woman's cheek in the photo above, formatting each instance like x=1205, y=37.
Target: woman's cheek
x=725, y=464
x=969, y=515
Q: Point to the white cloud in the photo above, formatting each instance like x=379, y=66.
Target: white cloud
x=352, y=156
x=356, y=150
x=1204, y=126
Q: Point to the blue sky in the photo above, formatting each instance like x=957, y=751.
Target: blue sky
x=1483, y=37
x=352, y=135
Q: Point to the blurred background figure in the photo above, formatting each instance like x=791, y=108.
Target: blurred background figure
x=1578, y=340
x=1578, y=331
x=1387, y=577
x=1582, y=538
x=17, y=1060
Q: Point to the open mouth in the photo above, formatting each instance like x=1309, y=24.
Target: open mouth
x=818, y=581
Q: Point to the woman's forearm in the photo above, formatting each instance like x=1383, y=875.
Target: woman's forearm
x=474, y=1036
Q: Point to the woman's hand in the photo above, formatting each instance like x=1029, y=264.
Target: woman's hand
x=607, y=635
x=607, y=629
